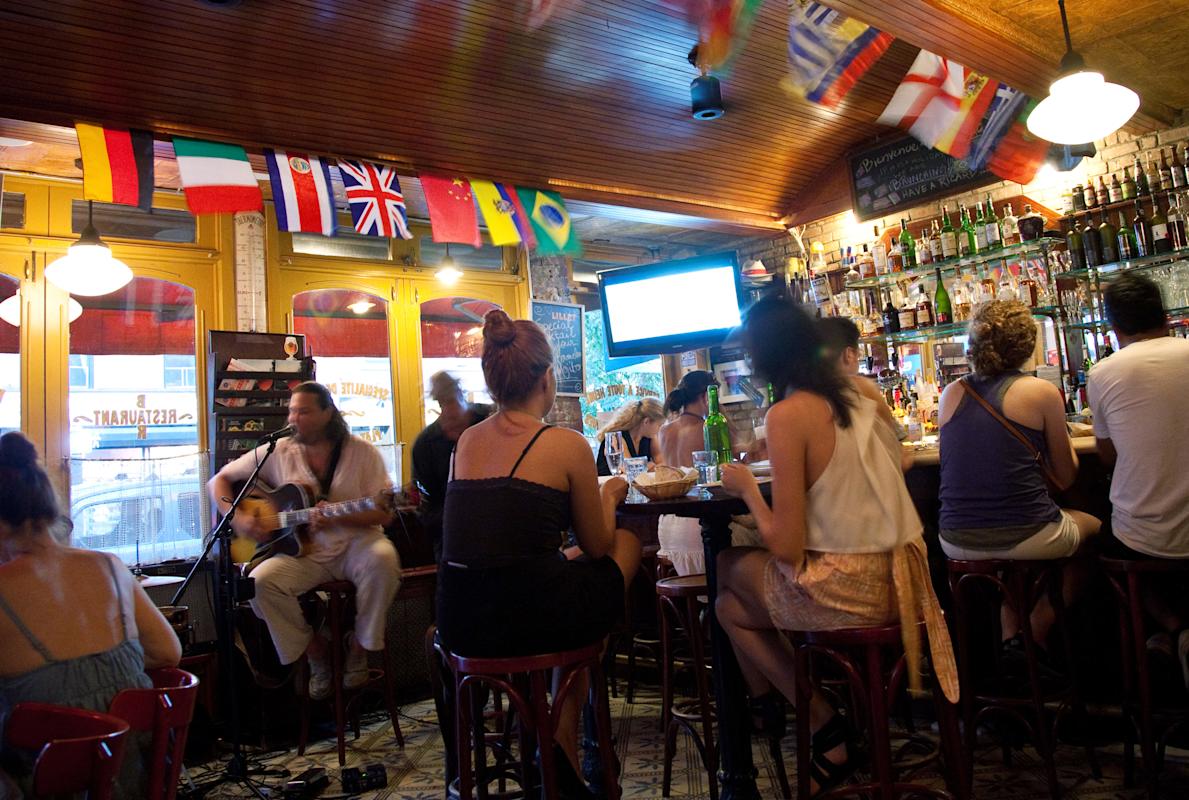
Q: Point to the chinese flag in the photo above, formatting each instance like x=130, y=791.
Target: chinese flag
x=451, y=210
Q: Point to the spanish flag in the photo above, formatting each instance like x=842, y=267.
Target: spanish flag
x=117, y=165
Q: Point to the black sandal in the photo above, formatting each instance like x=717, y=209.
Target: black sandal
x=824, y=772
x=768, y=715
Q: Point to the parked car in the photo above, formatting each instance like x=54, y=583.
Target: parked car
x=144, y=522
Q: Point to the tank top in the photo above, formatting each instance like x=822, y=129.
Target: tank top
x=497, y=522
x=993, y=493
x=643, y=449
x=860, y=503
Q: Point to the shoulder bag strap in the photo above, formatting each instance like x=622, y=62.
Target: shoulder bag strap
x=325, y=482
x=1012, y=429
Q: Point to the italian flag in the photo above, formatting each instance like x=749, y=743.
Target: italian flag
x=217, y=177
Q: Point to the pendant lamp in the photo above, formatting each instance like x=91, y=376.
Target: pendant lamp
x=88, y=268
x=1081, y=106
x=447, y=273
x=10, y=310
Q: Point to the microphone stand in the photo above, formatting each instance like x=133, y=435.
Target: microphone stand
x=230, y=589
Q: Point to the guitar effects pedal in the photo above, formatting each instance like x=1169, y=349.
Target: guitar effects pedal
x=372, y=776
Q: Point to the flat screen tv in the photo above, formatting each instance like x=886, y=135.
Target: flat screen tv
x=671, y=306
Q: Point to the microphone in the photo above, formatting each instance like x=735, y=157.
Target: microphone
x=276, y=435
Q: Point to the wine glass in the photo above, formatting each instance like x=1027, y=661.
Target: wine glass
x=614, y=451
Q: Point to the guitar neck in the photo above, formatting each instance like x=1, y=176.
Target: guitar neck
x=287, y=519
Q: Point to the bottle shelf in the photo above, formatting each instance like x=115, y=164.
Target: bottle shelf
x=1024, y=250
x=939, y=331
x=1174, y=315
x=1122, y=205
x=1144, y=262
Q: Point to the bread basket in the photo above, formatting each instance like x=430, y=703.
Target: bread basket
x=662, y=485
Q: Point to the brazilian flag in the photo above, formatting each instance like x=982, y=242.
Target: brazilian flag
x=551, y=222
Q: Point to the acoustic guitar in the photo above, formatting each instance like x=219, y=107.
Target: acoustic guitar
x=285, y=513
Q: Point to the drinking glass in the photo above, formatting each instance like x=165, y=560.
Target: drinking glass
x=633, y=468
x=706, y=463
x=614, y=451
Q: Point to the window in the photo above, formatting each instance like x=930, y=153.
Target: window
x=12, y=210
x=130, y=222
x=488, y=257
x=345, y=243
x=179, y=372
x=10, y=356
x=81, y=370
x=452, y=341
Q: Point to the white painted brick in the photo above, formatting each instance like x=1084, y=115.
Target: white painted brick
x=1173, y=135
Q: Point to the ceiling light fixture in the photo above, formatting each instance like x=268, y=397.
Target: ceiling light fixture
x=361, y=306
x=1081, y=106
x=447, y=273
x=10, y=310
x=88, y=268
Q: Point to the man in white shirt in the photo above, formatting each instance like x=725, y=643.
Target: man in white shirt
x=1140, y=400
x=323, y=455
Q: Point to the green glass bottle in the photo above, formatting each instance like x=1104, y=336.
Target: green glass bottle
x=908, y=246
x=980, y=228
x=1127, y=247
x=994, y=235
x=716, y=435
x=968, y=242
x=771, y=396
x=943, y=310
x=1108, y=237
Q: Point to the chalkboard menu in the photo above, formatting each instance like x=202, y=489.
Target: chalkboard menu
x=903, y=173
x=563, y=325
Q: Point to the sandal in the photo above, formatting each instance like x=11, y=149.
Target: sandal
x=768, y=714
x=824, y=772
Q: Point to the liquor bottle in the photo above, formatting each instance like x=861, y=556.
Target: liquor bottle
x=1176, y=225
x=968, y=242
x=879, y=253
x=908, y=246
x=1165, y=172
x=896, y=256
x=1078, y=196
x=993, y=236
x=891, y=318
x=1115, y=192
x=925, y=246
x=943, y=310
x=1091, y=244
x=1108, y=240
x=1102, y=192
x=1161, y=241
x=1127, y=247
x=1143, y=232
x=1009, y=226
x=1176, y=171
x=1073, y=242
x=907, y=316
x=716, y=434
x=1032, y=225
x=949, y=240
x=1142, y=187
x=980, y=229
x=1090, y=196
x=1129, y=187
x=866, y=263
x=1185, y=161
x=924, y=307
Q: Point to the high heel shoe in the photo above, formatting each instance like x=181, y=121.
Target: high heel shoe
x=825, y=773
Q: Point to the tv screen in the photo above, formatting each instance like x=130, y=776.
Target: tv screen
x=671, y=306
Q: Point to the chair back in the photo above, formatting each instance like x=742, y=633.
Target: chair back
x=79, y=750
x=165, y=711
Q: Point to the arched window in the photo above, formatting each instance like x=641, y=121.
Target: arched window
x=10, y=355
x=452, y=340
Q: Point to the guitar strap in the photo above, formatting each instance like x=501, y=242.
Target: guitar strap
x=324, y=481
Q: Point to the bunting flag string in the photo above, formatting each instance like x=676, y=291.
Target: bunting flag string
x=829, y=52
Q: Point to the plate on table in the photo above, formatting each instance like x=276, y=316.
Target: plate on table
x=718, y=484
x=760, y=468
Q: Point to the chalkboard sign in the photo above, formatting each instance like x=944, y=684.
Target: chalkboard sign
x=563, y=325
x=903, y=173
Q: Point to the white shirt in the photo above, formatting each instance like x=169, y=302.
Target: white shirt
x=360, y=473
x=1140, y=400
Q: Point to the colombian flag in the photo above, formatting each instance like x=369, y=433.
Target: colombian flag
x=117, y=165
x=550, y=222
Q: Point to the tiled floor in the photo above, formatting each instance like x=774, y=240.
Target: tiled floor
x=415, y=773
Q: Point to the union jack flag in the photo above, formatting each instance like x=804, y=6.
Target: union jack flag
x=377, y=205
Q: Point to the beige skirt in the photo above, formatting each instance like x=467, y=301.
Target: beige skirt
x=831, y=591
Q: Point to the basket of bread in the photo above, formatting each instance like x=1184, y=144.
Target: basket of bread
x=666, y=483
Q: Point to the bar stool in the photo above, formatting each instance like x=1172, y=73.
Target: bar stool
x=1020, y=584
x=679, y=609
x=861, y=653
x=525, y=682
x=340, y=598
x=1126, y=577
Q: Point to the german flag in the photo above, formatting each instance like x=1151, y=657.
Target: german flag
x=117, y=165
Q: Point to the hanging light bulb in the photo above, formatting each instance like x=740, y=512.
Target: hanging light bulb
x=1081, y=106
x=361, y=306
x=447, y=273
x=88, y=268
x=10, y=310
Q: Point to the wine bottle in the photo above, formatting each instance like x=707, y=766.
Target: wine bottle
x=1142, y=187
x=1090, y=244
x=1129, y=187
x=1102, y=193
x=1127, y=248
x=1143, y=232
x=1115, y=192
x=949, y=240
x=1090, y=197
x=1073, y=242
x=1161, y=241
x=1165, y=173
x=908, y=246
x=968, y=243
x=943, y=310
x=980, y=229
x=716, y=434
x=1176, y=225
x=1010, y=227
x=993, y=236
x=1108, y=240
x=1176, y=171
x=891, y=318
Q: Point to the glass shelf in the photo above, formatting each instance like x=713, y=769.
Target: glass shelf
x=1035, y=247
x=1174, y=315
x=939, y=331
x=1127, y=265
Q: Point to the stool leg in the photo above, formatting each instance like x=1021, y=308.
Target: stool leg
x=967, y=700
x=950, y=740
x=1044, y=744
x=1147, y=737
x=782, y=776
x=804, y=698
x=666, y=696
x=390, y=699
x=602, y=707
x=544, y=726
x=303, y=736
x=877, y=709
x=462, y=733
x=1057, y=600
x=702, y=685
x=336, y=673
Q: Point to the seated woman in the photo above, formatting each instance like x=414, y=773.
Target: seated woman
x=639, y=422
x=680, y=538
x=76, y=626
x=504, y=588
x=994, y=501
x=844, y=545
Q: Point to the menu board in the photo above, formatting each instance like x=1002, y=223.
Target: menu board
x=903, y=173
x=563, y=325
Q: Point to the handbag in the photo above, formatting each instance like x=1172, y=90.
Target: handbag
x=1014, y=431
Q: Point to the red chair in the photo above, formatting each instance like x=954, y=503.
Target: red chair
x=78, y=750
x=166, y=711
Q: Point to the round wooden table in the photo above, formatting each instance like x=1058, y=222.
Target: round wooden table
x=714, y=509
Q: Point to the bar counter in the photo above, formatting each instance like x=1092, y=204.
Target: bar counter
x=929, y=454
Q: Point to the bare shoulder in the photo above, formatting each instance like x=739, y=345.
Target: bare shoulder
x=1036, y=389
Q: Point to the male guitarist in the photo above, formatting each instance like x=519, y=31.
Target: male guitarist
x=338, y=466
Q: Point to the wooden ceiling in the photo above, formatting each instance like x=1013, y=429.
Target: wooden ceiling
x=595, y=103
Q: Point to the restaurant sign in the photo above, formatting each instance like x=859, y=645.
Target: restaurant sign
x=903, y=173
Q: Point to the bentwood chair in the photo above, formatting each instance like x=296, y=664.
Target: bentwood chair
x=77, y=750
x=165, y=711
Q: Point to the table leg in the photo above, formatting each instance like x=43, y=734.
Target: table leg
x=737, y=775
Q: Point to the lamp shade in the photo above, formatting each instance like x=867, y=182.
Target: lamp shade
x=1082, y=107
x=448, y=274
x=89, y=269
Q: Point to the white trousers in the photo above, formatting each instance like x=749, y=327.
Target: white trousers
x=369, y=561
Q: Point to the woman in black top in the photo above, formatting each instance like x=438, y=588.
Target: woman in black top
x=639, y=422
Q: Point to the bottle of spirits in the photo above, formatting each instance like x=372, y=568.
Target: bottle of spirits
x=1108, y=240
x=980, y=229
x=943, y=310
x=879, y=253
x=1129, y=187
x=866, y=263
x=908, y=316
x=1073, y=242
x=1031, y=224
x=1078, y=197
x=1142, y=187
x=1143, y=232
x=1176, y=224
x=993, y=235
x=908, y=246
x=1091, y=244
x=949, y=240
x=716, y=434
x=891, y=318
x=1165, y=172
x=1161, y=241
x=968, y=242
x=1176, y=171
x=925, y=247
x=1010, y=227
x=924, y=307
x=1102, y=194
x=1185, y=161
x=1115, y=192
x=1127, y=247
x=896, y=256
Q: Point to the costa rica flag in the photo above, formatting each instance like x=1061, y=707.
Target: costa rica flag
x=302, y=192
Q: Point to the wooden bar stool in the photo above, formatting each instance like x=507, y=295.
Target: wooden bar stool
x=525, y=682
x=863, y=655
x=340, y=598
x=1019, y=584
x=1127, y=577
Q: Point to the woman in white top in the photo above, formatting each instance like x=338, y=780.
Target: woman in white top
x=843, y=541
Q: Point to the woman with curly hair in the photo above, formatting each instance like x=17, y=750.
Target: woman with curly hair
x=994, y=499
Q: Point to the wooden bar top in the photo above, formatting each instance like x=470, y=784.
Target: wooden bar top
x=929, y=454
